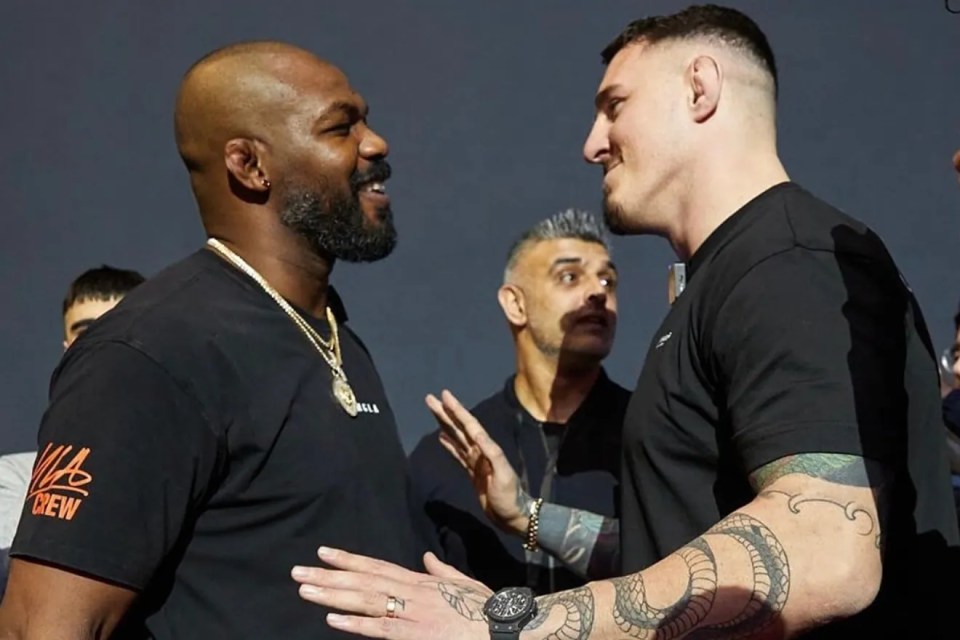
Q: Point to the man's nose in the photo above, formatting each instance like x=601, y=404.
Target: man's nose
x=596, y=148
x=372, y=145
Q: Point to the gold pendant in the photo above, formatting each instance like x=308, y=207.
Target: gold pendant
x=344, y=394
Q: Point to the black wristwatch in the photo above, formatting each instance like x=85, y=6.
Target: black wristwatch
x=508, y=610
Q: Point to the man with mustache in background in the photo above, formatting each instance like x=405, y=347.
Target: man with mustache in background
x=558, y=418
x=204, y=435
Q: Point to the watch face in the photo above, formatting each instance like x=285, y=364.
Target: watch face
x=509, y=604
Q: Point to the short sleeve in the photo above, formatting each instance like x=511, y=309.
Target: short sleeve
x=811, y=350
x=125, y=459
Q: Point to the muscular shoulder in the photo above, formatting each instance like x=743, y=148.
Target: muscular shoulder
x=792, y=223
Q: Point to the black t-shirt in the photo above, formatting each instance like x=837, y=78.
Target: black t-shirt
x=192, y=450
x=587, y=472
x=795, y=333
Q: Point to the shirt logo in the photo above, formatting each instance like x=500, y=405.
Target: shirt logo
x=663, y=340
x=58, y=481
x=367, y=407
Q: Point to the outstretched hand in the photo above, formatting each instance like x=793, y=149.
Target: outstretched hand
x=383, y=600
x=497, y=485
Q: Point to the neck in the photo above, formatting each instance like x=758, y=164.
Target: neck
x=290, y=267
x=721, y=185
x=550, y=393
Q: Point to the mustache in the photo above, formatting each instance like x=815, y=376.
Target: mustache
x=378, y=171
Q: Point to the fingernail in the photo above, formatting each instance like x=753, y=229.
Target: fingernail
x=336, y=619
x=309, y=590
x=324, y=552
x=299, y=572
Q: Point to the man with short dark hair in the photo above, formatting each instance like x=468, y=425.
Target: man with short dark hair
x=93, y=293
x=204, y=433
x=558, y=419
x=89, y=296
x=784, y=471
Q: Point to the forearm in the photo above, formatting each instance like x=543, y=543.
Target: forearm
x=587, y=543
x=704, y=584
x=45, y=603
x=17, y=625
x=756, y=574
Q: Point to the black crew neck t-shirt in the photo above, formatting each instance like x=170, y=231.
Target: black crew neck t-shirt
x=207, y=456
x=795, y=333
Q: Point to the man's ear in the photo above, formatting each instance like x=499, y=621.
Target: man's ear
x=705, y=81
x=244, y=160
x=513, y=304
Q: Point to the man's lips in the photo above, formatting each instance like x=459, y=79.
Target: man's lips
x=595, y=319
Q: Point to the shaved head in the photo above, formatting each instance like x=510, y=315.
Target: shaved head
x=237, y=92
x=268, y=125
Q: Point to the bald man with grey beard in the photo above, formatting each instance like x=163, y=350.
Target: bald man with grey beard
x=224, y=418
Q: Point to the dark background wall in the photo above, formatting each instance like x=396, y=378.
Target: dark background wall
x=486, y=106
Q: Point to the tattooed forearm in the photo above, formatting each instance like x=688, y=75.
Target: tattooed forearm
x=587, y=543
x=578, y=614
x=636, y=618
x=689, y=614
x=467, y=601
x=771, y=578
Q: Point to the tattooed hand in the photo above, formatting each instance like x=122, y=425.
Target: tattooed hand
x=442, y=603
x=496, y=483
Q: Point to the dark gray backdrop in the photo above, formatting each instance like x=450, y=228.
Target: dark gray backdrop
x=485, y=106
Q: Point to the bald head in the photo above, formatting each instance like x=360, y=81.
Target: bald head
x=280, y=153
x=241, y=91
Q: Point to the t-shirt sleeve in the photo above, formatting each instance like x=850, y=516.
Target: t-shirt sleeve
x=810, y=351
x=125, y=458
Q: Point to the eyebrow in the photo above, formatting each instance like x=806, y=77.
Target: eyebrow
x=571, y=260
x=342, y=107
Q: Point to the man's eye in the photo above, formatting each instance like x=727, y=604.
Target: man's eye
x=568, y=277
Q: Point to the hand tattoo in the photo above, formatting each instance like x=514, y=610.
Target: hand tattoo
x=465, y=600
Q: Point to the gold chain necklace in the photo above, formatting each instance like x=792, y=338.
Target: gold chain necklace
x=329, y=350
